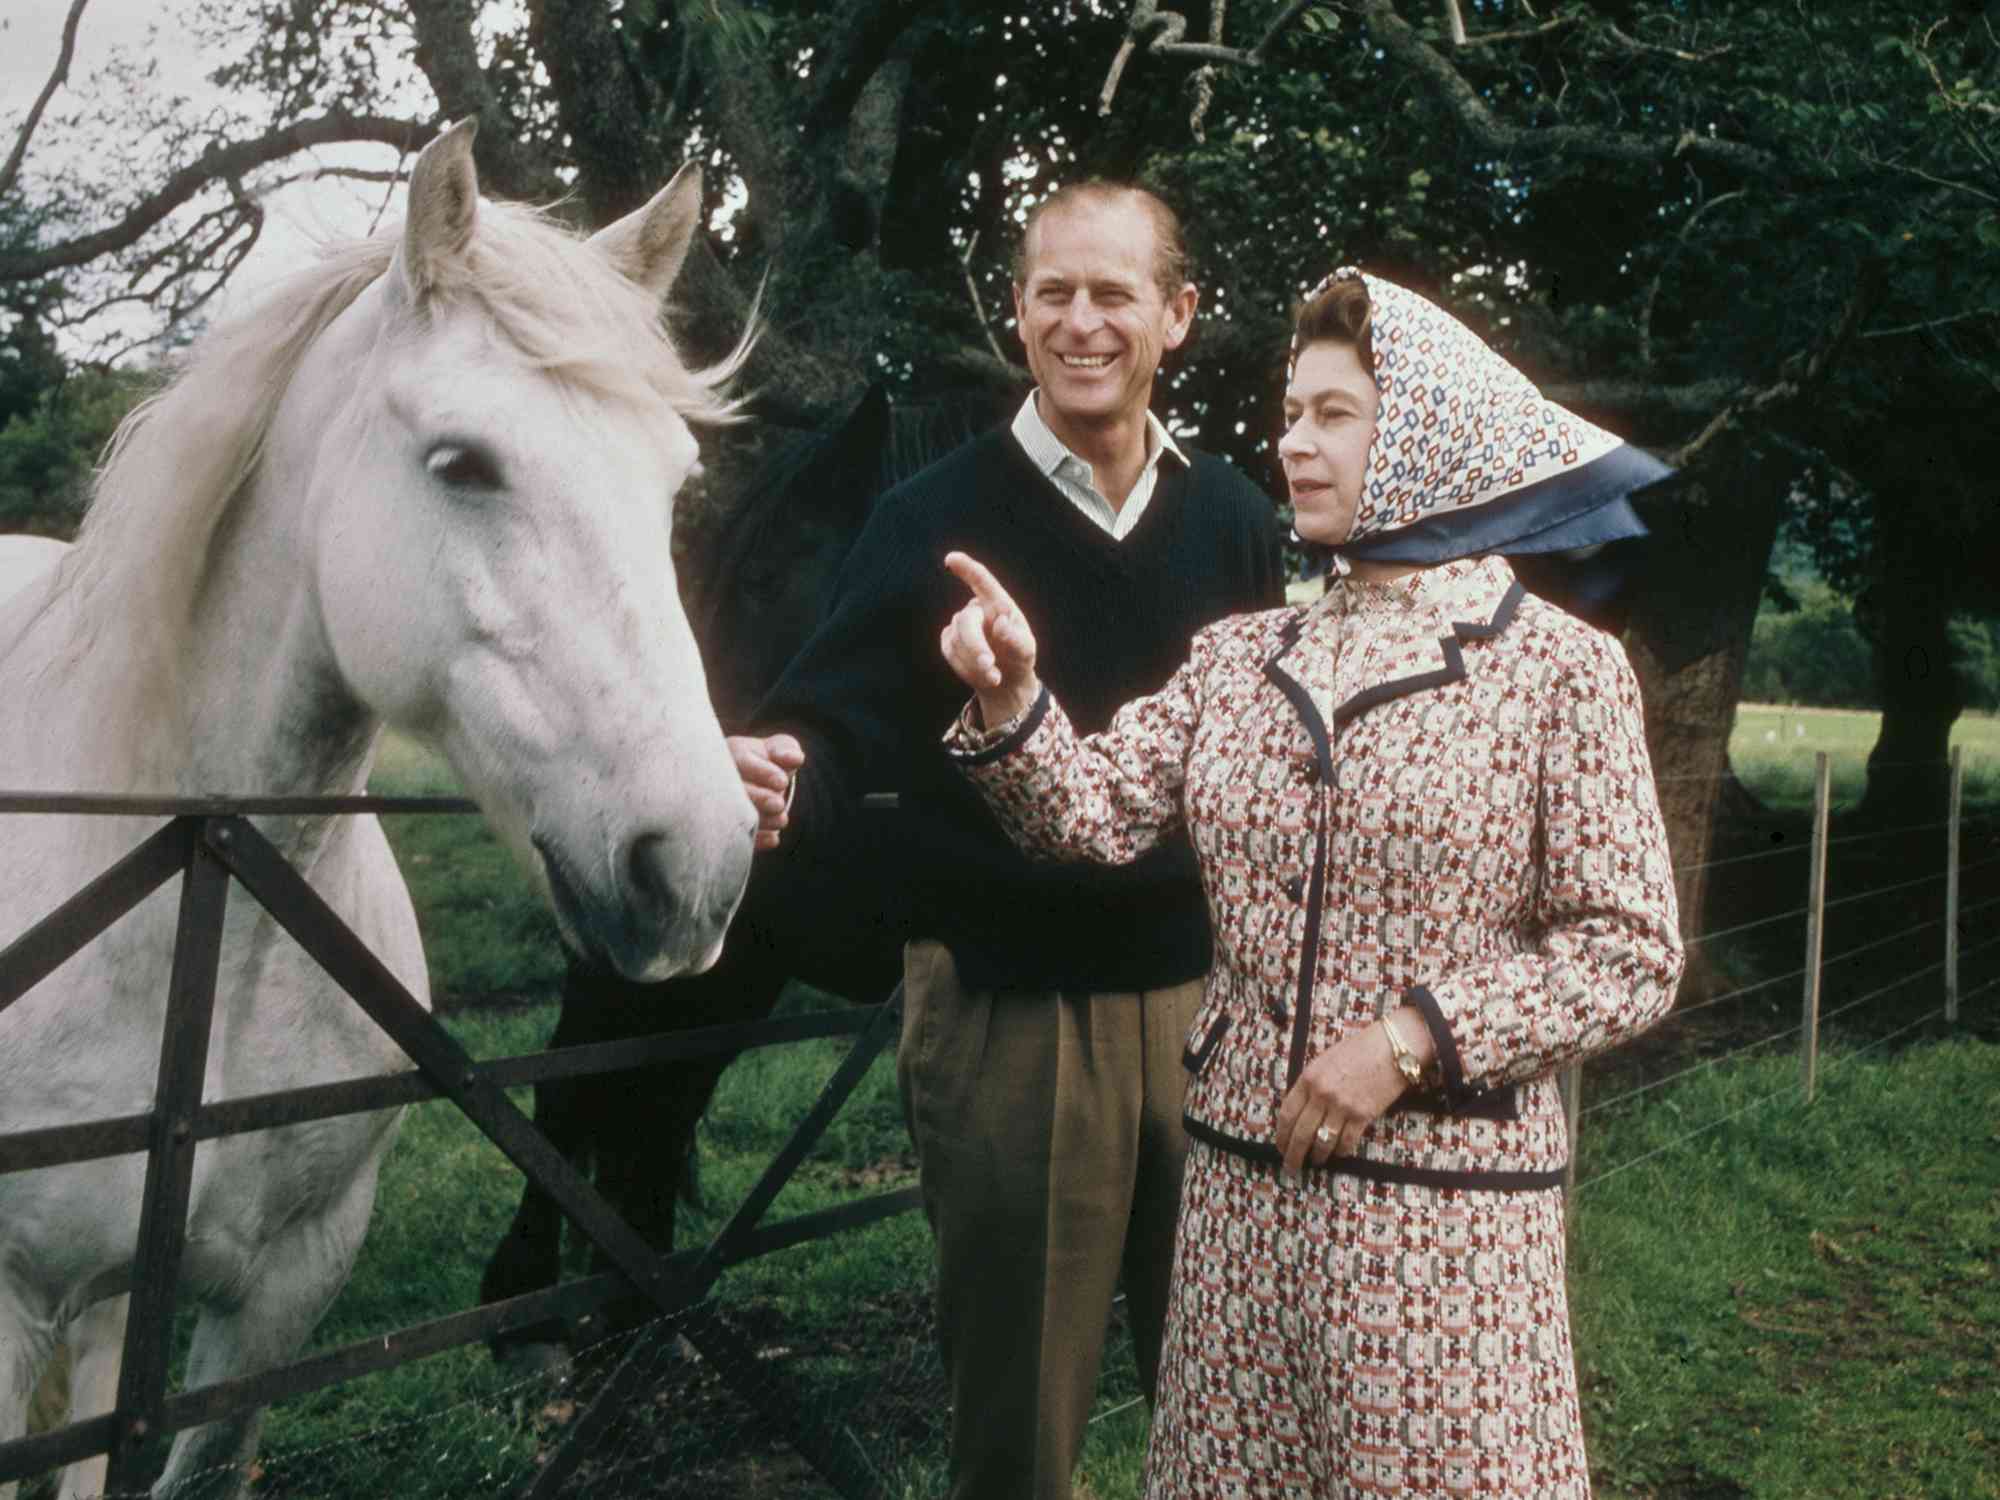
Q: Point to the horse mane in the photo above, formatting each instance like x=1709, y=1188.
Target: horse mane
x=179, y=461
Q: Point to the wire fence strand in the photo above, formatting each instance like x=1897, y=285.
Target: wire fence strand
x=1877, y=994
x=1884, y=890
x=1977, y=949
x=1723, y=932
x=1846, y=953
x=1682, y=1140
x=1689, y=1072
x=1762, y=984
x=1887, y=833
x=1738, y=859
x=1882, y=1041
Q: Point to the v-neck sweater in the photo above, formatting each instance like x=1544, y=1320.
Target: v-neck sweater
x=870, y=698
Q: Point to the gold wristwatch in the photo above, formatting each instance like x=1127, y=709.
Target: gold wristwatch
x=1406, y=1060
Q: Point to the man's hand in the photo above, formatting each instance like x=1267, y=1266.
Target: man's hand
x=989, y=645
x=1343, y=1091
x=767, y=767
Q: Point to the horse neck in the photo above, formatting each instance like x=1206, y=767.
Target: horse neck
x=268, y=714
x=237, y=697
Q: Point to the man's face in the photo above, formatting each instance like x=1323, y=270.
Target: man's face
x=1092, y=319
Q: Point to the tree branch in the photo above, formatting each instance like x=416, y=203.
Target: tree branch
x=1928, y=324
x=865, y=39
x=1801, y=373
x=448, y=53
x=601, y=106
x=972, y=290
x=1633, y=44
x=1577, y=142
x=218, y=164
x=1653, y=287
x=1523, y=34
x=58, y=76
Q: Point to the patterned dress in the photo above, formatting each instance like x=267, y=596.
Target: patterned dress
x=1436, y=792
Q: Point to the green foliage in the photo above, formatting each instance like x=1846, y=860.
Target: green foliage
x=1813, y=654
x=49, y=451
x=1808, y=648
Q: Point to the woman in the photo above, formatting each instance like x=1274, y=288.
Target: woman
x=1437, y=874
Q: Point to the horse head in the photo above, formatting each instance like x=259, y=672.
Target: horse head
x=489, y=441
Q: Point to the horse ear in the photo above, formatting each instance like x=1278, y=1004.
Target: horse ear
x=650, y=244
x=444, y=206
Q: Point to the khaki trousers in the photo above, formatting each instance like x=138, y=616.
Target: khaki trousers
x=1048, y=1134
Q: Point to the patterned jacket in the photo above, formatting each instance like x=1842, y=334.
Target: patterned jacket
x=1433, y=791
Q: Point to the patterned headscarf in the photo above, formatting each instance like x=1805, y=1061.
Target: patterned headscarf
x=1469, y=458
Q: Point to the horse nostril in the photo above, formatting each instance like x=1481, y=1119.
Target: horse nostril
x=646, y=866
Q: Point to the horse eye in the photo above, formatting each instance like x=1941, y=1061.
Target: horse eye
x=464, y=467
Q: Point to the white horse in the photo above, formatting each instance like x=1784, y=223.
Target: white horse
x=427, y=483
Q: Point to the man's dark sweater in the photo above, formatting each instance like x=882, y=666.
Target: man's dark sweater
x=870, y=696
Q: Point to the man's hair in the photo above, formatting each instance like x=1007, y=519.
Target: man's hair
x=1338, y=313
x=1170, y=255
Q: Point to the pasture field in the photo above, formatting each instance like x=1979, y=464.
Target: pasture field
x=1772, y=746
x=1796, y=1301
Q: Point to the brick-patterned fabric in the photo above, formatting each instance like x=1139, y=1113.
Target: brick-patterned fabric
x=1339, y=1337
x=1436, y=791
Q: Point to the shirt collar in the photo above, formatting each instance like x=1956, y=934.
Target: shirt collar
x=1049, y=453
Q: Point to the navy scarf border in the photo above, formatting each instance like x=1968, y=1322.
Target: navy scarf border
x=1581, y=508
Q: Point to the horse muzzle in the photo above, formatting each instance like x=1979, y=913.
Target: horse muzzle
x=660, y=910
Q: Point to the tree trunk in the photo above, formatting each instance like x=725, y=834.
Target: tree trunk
x=1687, y=636
x=1907, y=613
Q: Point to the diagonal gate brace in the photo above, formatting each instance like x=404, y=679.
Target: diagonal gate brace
x=843, y=1465
x=318, y=929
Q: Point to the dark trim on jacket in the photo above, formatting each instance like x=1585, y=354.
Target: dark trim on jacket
x=1369, y=697
x=1370, y=1170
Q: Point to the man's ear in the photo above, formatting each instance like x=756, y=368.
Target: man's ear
x=1180, y=314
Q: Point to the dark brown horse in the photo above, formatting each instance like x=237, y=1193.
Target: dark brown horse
x=832, y=917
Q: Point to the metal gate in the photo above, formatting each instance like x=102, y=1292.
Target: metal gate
x=210, y=844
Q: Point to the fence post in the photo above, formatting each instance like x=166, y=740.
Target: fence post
x=1815, y=925
x=1570, y=1082
x=1951, y=886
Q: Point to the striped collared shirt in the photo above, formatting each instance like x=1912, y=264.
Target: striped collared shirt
x=1072, y=475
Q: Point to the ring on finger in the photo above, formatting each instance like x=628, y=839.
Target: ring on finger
x=1324, y=1135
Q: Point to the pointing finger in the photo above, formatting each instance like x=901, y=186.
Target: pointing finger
x=976, y=576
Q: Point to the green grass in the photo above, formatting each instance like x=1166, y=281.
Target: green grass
x=487, y=933
x=1771, y=750
x=1803, y=1301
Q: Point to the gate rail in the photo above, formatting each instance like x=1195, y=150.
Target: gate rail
x=210, y=843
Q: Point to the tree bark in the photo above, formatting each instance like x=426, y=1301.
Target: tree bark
x=1907, y=613
x=1687, y=637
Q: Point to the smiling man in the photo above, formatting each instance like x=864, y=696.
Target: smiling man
x=1045, y=1007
